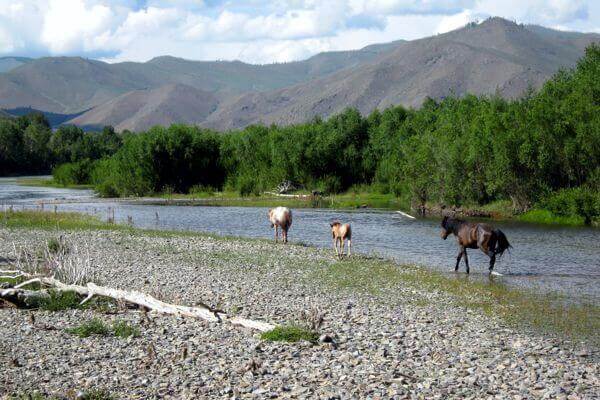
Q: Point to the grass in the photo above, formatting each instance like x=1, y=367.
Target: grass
x=49, y=182
x=548, y=314
x=547, y=217
x=350, y=200
x=290, y=333
x=123, y=330
x=59, y=301
x=52, y=220
x=96, y=326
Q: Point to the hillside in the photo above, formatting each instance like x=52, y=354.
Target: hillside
x=9, y=63
x=72, y=84
x=140, y=109
x=496, y=56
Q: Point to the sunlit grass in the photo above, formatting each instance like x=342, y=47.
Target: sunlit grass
x=52, y=220
x=550, y=314
x=49, y=182
x=290, y=333
x=547, y=217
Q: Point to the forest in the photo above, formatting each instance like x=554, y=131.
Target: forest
x=542, y=150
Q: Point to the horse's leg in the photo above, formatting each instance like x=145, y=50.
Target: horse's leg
x=284, y=234
x=276, y=233
x=342, y=245
x=492, y=251
x=492, y=262
x=335, y=246
x=460, y=254
x=349, y=247
x=466, y=259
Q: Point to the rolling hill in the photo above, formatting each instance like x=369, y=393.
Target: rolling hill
x=495, y=56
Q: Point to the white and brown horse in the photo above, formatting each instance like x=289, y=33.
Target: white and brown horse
x=340, y=233
x=280, y=217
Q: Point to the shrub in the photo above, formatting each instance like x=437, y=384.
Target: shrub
x=290, y=333
x=75, y=173
x=581, y=201
x=92, y=327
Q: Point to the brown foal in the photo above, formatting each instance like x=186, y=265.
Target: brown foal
x=341, y=232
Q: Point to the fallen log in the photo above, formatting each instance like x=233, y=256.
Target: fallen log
x=134, y=297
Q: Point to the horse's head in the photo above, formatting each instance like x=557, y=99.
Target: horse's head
x=446, y=228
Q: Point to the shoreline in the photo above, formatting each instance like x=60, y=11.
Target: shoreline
x=344, y=201
x=398, y=330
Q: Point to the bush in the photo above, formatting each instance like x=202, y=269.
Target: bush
x=76, y=173
x=291, y=333
x=581, y=201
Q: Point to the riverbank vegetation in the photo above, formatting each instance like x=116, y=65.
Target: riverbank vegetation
x=541, y=152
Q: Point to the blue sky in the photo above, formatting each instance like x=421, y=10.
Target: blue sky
x=252, y=30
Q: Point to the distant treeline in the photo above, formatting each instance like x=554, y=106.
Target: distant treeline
x=543, y=148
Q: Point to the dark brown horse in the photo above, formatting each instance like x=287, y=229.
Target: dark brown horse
x=470, y=235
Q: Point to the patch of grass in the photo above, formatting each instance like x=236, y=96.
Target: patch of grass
x=94, y=326
x=49, y=182
x=360, y=273
x=123, y=330
x=12, y=281
x=538, y=216
x=545, y=313
x=51, y=220
x=290, y=333
x=59, y=301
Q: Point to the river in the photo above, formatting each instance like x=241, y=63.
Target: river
x=563, y=260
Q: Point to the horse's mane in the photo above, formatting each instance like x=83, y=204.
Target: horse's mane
x=453, y=223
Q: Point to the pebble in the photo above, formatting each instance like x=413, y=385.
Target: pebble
x=371, y=346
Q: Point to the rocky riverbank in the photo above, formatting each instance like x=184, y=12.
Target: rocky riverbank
x=391, y=339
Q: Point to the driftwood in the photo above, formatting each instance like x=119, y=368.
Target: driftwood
x=17, y=295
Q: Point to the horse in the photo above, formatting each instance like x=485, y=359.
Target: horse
x=341, y=232
x=280, y=217
x=492, y=242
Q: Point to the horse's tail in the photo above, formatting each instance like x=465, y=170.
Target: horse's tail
x=501, y=242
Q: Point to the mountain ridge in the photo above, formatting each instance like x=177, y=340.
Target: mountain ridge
x=495, y=56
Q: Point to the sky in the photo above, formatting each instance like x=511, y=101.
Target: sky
x=254, y=31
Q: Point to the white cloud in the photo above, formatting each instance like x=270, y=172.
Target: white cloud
x=75, y=26
x=452, y=22
x=252, y=30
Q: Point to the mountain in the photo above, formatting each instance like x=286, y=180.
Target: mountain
x=5, y=115
x=495, y=56
x=72, y=84
x=140, y=109
x=8, y=63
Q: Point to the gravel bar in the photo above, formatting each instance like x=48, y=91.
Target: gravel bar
x=386, y=346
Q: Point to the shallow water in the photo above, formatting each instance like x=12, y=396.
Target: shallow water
x=553, y=259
